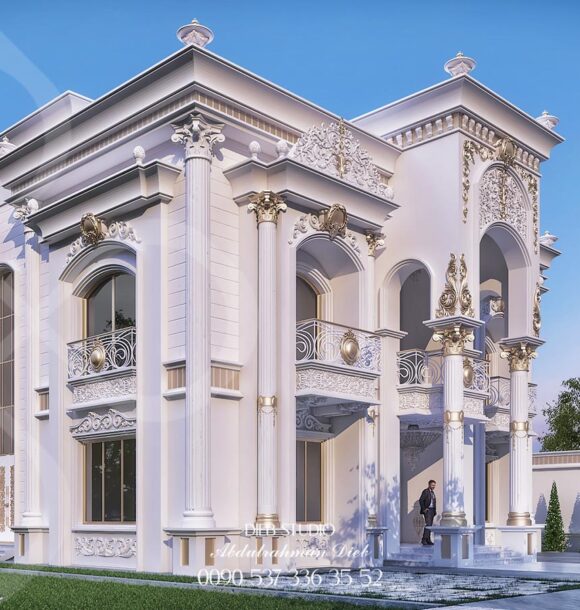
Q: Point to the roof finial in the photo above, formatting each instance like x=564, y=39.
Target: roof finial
x=195, y=34
x=548, y=120
x=460, y=64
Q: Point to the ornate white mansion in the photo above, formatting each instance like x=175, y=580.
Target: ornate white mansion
x=227, y=313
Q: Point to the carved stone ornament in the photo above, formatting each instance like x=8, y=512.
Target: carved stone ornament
x=267, y=205
x=111, y=421
x=333, y=150
x=94, y=230
x=456, y=294
x=548, y=239
x=6, y=146
x=536, y=314
x=453, y=339
x=198, y=136
x=332, y=221
x=470, y=150
x=106, y=547
x=519, y=356
x=26, y=209
x=502, y=199
x=195, y=34
x=375, y=241
x=349, y=348
x=306, y=421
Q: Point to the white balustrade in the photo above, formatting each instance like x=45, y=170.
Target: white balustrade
x=337, y=345
x=113, y=351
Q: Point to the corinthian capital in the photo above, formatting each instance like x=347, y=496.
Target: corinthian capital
x=267, y=205
x=26, y=209
x=453, y=339
x=198, y=136
x=519, y=356
x=375, y=241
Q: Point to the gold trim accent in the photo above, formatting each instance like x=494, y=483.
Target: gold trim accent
x=268, y=520
x=267, y=205
x=453, y=417
x=519, y=426
x=456, y=291
x=519, y=356
x=506, y=151
x=341, y=159
x=349, y=348
x=521, y=519
x=532, y=184
x=536, y=313
x=267, y=405
x=453, y=519
x=470, y=149
x=98, y=356
x=453, y=339
x=468, y=372
x=374, y=242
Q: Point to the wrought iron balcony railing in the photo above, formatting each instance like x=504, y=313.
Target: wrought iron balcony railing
x=420, y=367
x=338, y=345
x=113, y=351
x=500, y=393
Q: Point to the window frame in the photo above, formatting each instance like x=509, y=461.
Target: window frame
x=322, y=480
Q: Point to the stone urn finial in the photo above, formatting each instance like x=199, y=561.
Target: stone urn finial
x=195, y=34
x=548, y=120
x=460, y=64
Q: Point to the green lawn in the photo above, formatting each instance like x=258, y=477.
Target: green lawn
x=22, y=592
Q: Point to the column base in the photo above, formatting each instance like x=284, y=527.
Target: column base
x=453, y=546
x=519, y=519
x=453, y=520
x=32, y=519
x=267, y=521
x=526, y=541
x=198, y=519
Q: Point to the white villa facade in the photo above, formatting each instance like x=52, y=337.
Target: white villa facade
x=226, y=310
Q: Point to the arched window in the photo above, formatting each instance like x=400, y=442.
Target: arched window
x=6, y=362
x=111, y=305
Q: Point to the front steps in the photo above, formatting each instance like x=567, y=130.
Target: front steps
x=417, y=555
x=6, y=551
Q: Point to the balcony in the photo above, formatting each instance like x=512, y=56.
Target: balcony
x=420, y=384
x=498, y=404
x=337, y=367
x=102, y=368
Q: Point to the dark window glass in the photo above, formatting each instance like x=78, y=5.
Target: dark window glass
x=6, y=363
x=111, y=481
x=129, y=479
x=111, y=306
x=308, y=481
x=300, y=478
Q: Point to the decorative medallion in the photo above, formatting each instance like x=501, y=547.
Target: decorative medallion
x=375, y=241
x=456, y=293
x=349, y=348
x=97, y=356
x=267, y=205
x=468, y=373
x=334, y=220
x=93, y=229
x=333, y=150
x=536, y=315
x=506, y=151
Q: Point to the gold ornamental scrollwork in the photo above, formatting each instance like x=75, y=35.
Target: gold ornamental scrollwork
x=453, y=339
x=333, y=220
x=375, y=241
x=267, y=405
x=519, y=356
x=456, y=292
x=267, y=205
x=349, y=348
x=536, y=314
x=93, y=229
x=532, y=185
x=470, y=150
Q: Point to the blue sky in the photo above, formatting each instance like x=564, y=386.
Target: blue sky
x=349, y=58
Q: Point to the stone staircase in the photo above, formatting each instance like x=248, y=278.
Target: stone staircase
x=6, y=551
x=418, y=555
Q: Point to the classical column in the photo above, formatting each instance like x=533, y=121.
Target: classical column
x=519, y=357
x=453, y=339
x=479, y=476
x=31, y=514
x=198, y=137
x=267, y=205
x=375, y=241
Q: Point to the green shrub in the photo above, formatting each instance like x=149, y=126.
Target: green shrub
x=554, y=536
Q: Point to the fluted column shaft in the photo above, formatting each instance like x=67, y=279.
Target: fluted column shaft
x=198, y=137
x=32, y=514
x=519, y=357
x=375, y=241
x=267, y=206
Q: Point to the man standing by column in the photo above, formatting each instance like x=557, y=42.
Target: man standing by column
x=428, y=506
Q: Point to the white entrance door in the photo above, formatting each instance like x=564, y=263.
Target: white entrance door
x=6, y=498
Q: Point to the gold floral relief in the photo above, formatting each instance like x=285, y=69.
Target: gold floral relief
x=456, y=296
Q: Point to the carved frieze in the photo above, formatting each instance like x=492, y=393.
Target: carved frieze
x=105, y=547
x=95, y=424
x=323, y=381
x=333, y=150
x=306, y=421
x=107, y=388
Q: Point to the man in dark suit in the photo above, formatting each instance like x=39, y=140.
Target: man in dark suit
x=428, y=507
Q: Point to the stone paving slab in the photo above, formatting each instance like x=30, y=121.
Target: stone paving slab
x=560, y=600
